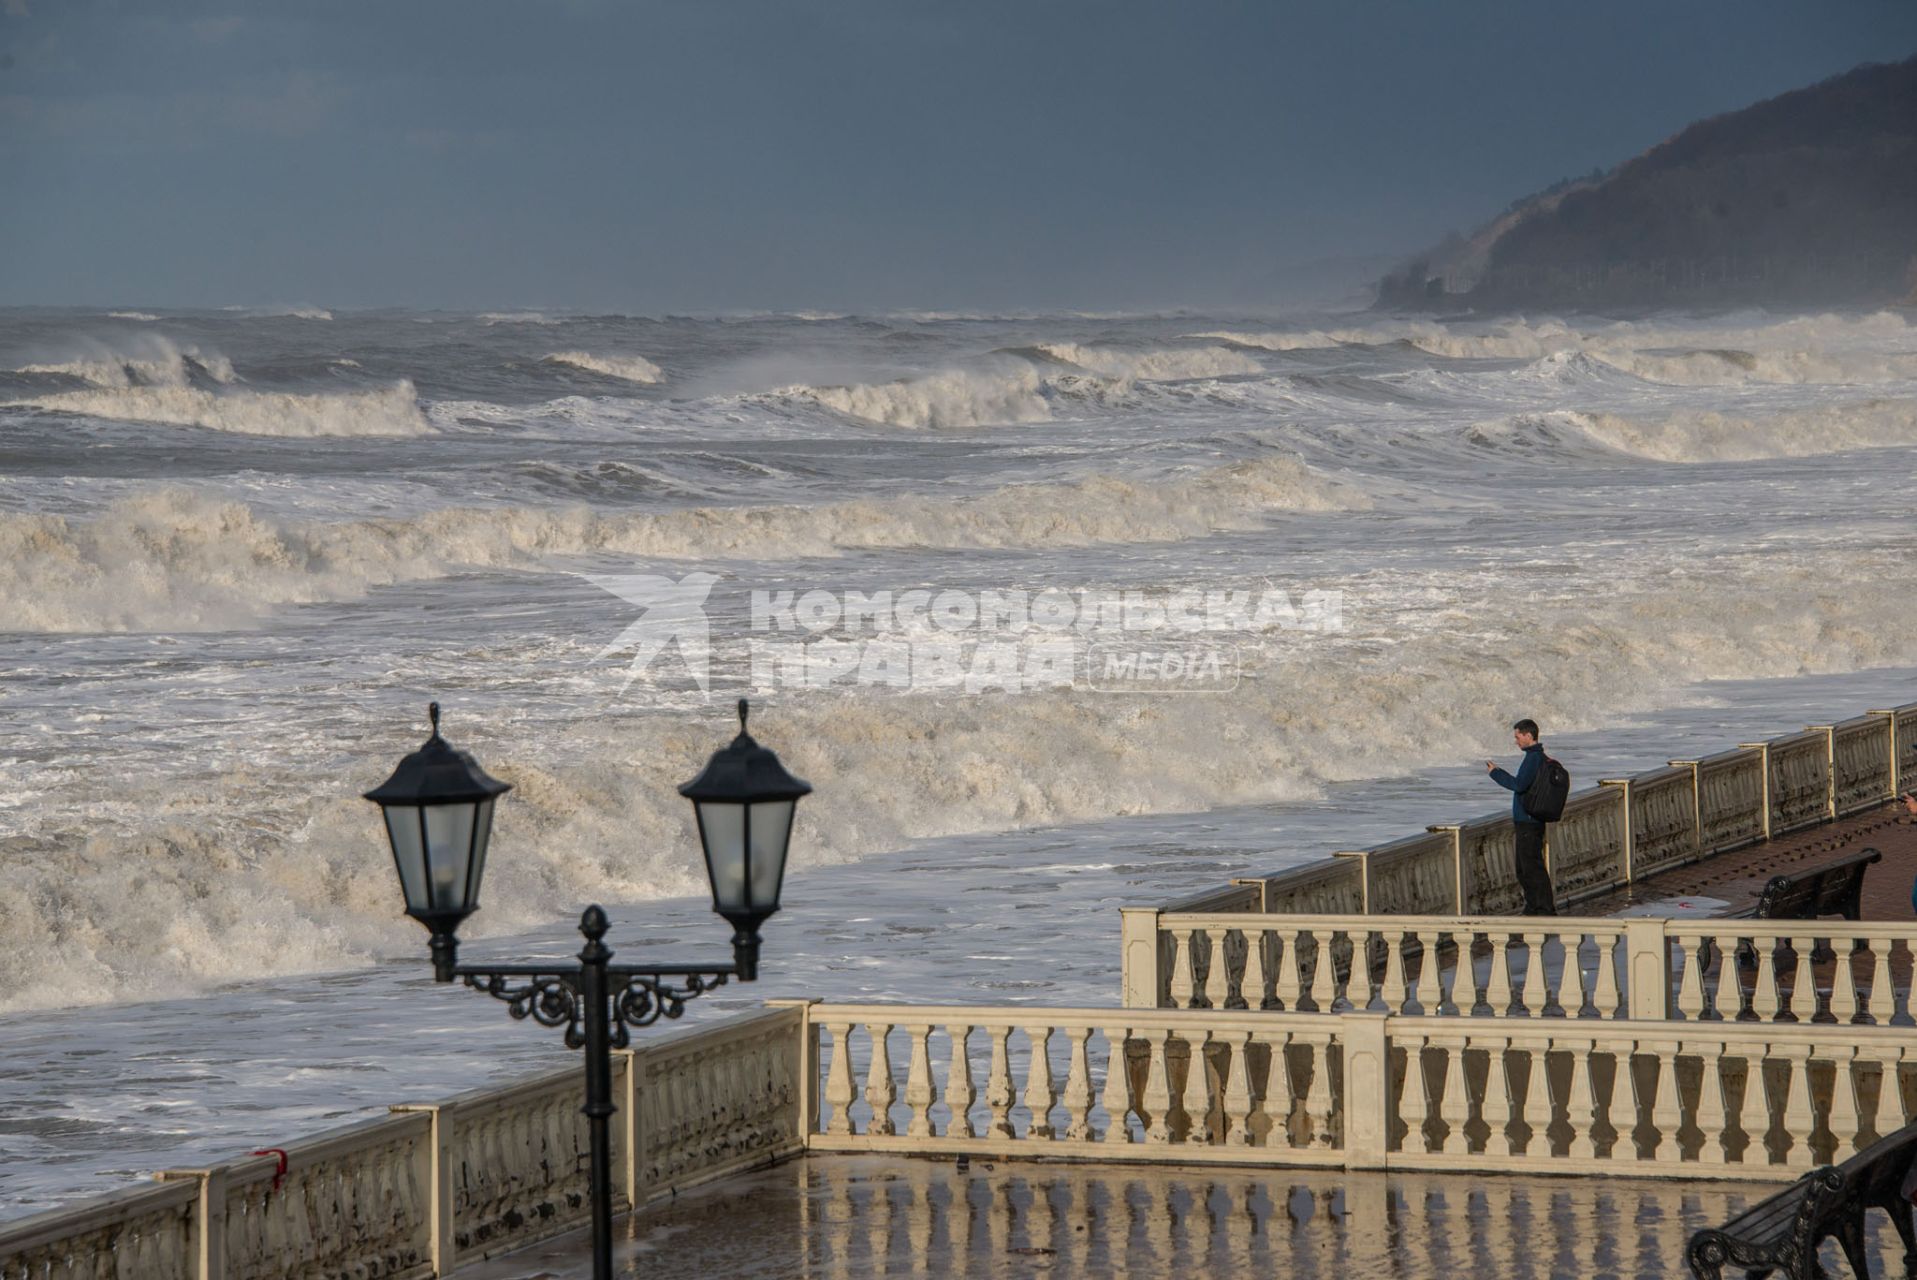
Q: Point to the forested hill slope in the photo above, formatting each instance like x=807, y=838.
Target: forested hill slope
x=1808, y=198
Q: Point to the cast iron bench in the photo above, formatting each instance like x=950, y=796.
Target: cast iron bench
x=1835, y=888
x=1783, y=1232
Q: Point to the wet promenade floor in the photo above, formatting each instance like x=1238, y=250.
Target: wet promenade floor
x=851, y=1217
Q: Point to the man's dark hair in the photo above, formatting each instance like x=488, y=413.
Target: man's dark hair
x=1527, y=726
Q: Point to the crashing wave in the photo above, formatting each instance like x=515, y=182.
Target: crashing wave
x=625, y=368
x=177, y=561
x=149, y=361
x=515, y=317
x=954, y=400
x=388, y=411
x=1711, y=436
x=132, y=315
x=1170, y=365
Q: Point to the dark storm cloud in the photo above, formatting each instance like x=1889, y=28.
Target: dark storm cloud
x=766, y=153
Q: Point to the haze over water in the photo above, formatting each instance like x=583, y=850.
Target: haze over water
x=243, y=550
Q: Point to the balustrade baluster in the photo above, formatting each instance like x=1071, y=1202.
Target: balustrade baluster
x=839, y=1090
x=1844, y=1125
x=1537, y=1105
x=1690, y=988
x=1117, y=1096
x=1254, y=987
x=1883, y=993
x=1237, y=1092
x=1290, y=974
x=1414, y=1099
x=1195, y=1101
x=1534, y=978
x=1711, y=1116
x=960, y=1093
x=1571, y=987
x=1580, y=1104
x=1183, y=987
x=1497, y=985
x=1498, y=1097
x=1279, y=1098
x=1320, y=1110
x=1799, y=1115
x=1078, y=1088
x=1454, y=1105
x=1843, y=985
x=1040, y=1093
x=880, y=1092
x=1765, y=1002
x=918, y=1082
x=1394, y=994
x=1667, y=1115
x=1157, y=1100
x=1804, y=1000
x=1891, y=1092
x=998, y=1084
x=1323, y=971
x=1609, y=1000
x=1217, y=972
x=1754, y=1106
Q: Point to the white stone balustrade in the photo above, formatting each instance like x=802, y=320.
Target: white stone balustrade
x=1611, y=835
x=433, y=1186
x=1810, y=971
x=1358, y=1090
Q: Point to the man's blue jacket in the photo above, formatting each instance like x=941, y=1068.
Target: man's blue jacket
x=1533, y=761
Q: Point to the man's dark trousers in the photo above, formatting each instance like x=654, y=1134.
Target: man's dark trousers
x=1533, y=876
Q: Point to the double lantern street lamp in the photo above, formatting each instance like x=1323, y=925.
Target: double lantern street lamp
x=438, y=807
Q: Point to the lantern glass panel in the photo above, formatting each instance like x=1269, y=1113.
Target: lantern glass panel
x=409, y=853
x=722, y=831
x=449, y=852
x=482, y=837
x=770, y=827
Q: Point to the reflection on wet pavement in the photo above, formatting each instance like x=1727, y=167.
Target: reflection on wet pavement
x=851, y=1217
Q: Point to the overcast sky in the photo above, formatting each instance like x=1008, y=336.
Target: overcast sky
x=707, y=155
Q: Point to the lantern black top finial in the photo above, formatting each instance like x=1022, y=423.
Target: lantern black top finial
x=437, y=773
x=743, y=772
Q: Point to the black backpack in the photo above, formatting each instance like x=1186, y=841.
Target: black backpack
x=1544, y=798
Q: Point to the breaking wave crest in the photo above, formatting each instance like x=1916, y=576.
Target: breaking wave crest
x=281, y=880
x=1710, y=436
x=387, y=411
x=151, y=361
x=626, y=368
x=1168, y=365
x=949, y=401
x=177, y=561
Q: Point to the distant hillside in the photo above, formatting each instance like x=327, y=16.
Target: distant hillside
x=1808, y=198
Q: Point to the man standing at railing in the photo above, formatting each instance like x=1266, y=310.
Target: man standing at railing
x=1533, y=876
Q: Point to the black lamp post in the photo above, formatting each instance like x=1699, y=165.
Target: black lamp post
x=438, y=807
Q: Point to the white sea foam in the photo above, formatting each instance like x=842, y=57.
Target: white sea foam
x=245, y=873
x=132, y=315
x=147, y=360
x=515, y=317
x=1167, y=365
x=388, y=411
x=942, y=401
x=628, y=368
x=173, y=560
x=1713, y=436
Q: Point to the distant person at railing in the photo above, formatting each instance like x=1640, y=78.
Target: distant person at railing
x=1533, y=876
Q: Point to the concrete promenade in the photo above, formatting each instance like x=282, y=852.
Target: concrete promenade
x=853, y=1217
